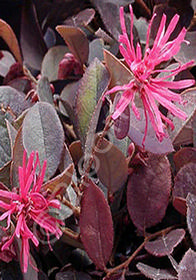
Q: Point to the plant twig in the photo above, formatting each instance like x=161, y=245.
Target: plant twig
x=125, y=265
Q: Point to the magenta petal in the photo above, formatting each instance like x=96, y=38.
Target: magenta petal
x=122, y=103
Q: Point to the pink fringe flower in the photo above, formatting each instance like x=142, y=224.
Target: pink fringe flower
x=27, y=205
x=152, y=89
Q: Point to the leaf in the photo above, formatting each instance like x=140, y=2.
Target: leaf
x=61, y=182
x=179, y=204
x=165, y=244
x=156, y=273
x=189, y=108
x=148, y=192
x=187, y=266
x=70, y=274
x=43, y=132
x=12, y=132
x=6, y=62
x=96, y=50
x=185, y=181
x=17, y=158
x=9, y=37
x=120, y=74
x=191, y=215
x=14, y=99
x=76, y=40
x=50, y=63
x=109, y=12
x=91, y=88
x=5, y=145
x=31, y=38
x=152, y=144
x=187, y=51
x=5, y=174
x=122, y=123
x=184, y=156
x=110, y=165
x=44, y=91
x=96, y=225
x=83, y=18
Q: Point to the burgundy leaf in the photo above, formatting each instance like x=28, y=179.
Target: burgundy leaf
x=187, y=266
x=165, y=244
x=111, y=165
x=191, y=215
x=6, y=62
x=184, y=156
x=156, y=273
x=185, y=181
x=179, y=204
x=76, y=40
x=148, y=192
x=96, y=225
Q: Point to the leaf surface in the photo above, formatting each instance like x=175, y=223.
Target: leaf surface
x=148, y=192
x=43, y=132
x=96, y=225
x=187, y=266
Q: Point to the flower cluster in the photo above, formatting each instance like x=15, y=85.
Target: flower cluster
x=28, y=204
x=151, y=88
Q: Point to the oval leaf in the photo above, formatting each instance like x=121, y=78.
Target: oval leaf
x=76, y=40
x=91, y=88
x=165, y=244
x=187, y=266
x=185, y=181
x=43, y=132
x=111, y=165
x=152, y=144
x=96, y=225
x=148, y=192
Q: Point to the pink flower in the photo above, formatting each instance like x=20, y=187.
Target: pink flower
x=152, y=89
x=28, y=204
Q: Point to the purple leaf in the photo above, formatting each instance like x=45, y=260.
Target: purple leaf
x=6, y=62
x=191, y=215
x=184, y=156
x=32, y=41
x=96, y=225
x=185, y=181
x=148, y=192
x=187, y=266
x=72, y=274
x=165, y=244
x=83, y=18
x=111, y=166
x=43, y=132
x=152, y=144
x=156, y=273
x=44, y=91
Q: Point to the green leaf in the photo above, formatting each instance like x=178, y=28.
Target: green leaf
x=91, y=88
x=43, y=132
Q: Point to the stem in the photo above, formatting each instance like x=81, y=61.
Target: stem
x=29, y=75
x=125, y=264
x=76, y=210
